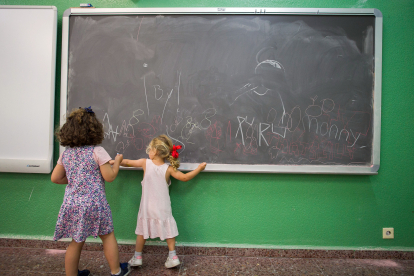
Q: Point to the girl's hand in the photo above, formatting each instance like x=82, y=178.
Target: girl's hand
x=111, y=162
x=202, y=166
x=119, y=158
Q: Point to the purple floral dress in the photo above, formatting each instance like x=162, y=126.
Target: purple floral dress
x=85, y=211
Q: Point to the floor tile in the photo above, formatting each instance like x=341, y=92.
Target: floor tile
x=249, y=266
x=7, y=256
x=385, y=266
x=205, y=251
x=203, y=265
x=38, y=260
x=346, y=267
x=296, y=266
x=95, y=262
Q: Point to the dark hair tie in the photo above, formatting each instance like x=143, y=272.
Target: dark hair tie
x=89, y=109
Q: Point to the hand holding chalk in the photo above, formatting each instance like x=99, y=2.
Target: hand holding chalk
x=119, y=157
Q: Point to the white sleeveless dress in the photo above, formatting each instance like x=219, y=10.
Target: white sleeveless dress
x=155, y=216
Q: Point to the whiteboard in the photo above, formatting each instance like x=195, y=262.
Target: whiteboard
x=27, y=87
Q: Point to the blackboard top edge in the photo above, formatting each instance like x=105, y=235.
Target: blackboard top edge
x=224, y=10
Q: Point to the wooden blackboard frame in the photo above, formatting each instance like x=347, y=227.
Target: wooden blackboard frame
x=306, y=169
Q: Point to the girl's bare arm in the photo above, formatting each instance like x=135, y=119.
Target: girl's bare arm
x=140, y=163
x=59, y=175
x=109, y=173
x=186, y=176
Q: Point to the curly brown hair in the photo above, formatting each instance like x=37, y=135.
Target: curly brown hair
x=82, y=128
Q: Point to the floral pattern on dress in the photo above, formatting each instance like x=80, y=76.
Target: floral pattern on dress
x=85, y=211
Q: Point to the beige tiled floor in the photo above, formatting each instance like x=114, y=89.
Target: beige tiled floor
x=41, y=261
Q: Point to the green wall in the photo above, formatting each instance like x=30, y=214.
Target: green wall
x=261, y=210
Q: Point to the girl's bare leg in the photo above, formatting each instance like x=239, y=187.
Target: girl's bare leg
x=111, y=251
x=171, y=244
x=72, y=257
x=172, y=260
x=139, y=245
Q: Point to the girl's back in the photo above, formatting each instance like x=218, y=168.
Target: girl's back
x=155, y=217
x=85, y=210
x=85, y=181
x=155, y=198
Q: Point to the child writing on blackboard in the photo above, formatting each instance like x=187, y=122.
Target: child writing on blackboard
x=85, y=211
x=155, y=216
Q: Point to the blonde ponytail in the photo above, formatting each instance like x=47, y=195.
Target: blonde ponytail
x=175, y=162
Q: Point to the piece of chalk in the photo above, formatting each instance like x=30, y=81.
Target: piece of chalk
x=86, y=5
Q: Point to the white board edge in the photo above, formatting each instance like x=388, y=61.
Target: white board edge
x=26, y=165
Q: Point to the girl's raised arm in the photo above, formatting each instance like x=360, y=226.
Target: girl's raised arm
x=59, y=175
x=140, y=163
x=186, y=176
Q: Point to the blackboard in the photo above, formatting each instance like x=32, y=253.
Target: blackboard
x=270, y=92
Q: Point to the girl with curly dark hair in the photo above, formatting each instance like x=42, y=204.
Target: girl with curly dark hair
x=85, y=167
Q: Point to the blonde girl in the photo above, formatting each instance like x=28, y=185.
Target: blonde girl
x=155, y=216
